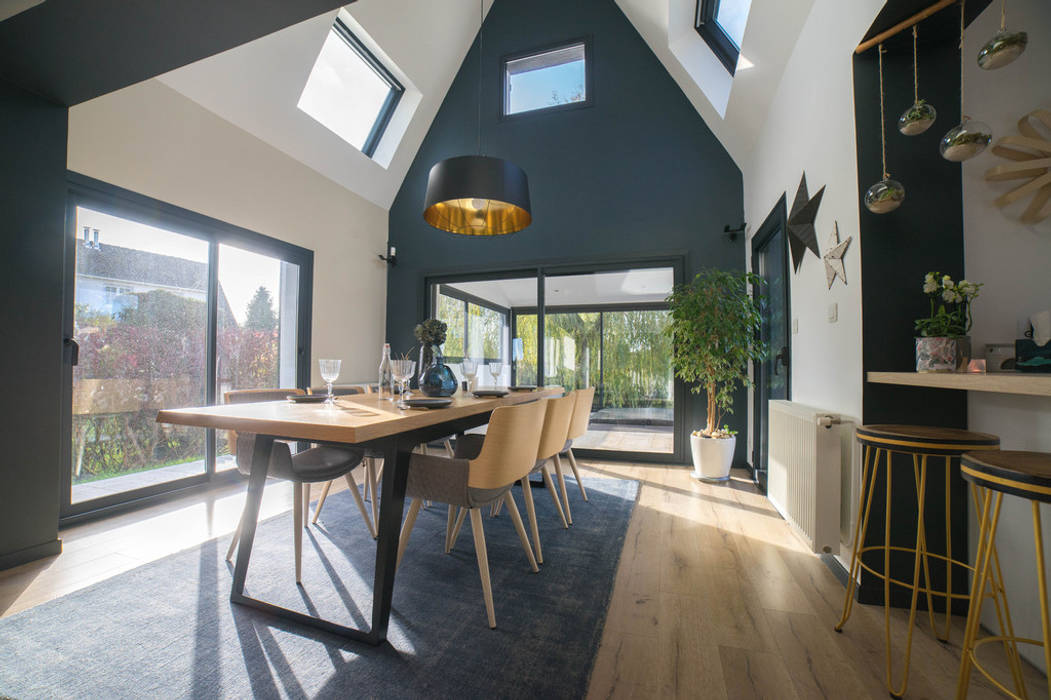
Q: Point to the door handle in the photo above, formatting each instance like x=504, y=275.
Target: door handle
x=781, y=357
x=74, y=355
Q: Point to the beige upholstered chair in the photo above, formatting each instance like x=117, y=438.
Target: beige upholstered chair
x=552, y=438
x=472, y=480
x=317, y=464
x=578, y=426
x=341, y=390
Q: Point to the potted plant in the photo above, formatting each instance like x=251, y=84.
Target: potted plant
x=942, y=344
x=714, y=332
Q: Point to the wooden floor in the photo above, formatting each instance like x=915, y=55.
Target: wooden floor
x=715, y=597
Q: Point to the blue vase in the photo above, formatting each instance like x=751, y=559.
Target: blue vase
x=438, y=379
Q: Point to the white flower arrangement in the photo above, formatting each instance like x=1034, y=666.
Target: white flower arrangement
x=951, y=317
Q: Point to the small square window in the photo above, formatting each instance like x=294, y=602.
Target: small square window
x=721, y=24
x=554, y=78
x=350, y=91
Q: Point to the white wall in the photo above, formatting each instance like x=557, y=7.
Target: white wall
x=810, y=127
x=152, y=140
x=1014, y=262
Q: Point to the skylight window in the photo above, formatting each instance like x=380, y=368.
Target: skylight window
x=721, y=24
x=554, y=78
x=350, y=91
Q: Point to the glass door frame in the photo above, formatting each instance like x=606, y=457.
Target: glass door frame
x=542, y=269
x=776, y=221
x=101, y=196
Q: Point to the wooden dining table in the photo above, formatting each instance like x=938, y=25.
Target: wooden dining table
x=364, y=421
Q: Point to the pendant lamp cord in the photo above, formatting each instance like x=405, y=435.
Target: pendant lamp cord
x=915, y=70
x=481, y=21
x=963, y=115
x=882, y=131
x=1003, y=15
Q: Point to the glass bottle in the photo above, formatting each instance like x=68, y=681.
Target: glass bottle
x=386, y=382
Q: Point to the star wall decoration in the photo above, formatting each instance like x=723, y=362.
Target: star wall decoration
x=801, y=233
x=834, y=257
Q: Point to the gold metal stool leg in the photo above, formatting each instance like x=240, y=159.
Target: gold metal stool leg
x=861, y=528
x=1041, y=576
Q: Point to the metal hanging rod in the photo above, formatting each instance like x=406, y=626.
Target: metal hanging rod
x=902, y=26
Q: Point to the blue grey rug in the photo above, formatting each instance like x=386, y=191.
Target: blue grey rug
x=168, y=629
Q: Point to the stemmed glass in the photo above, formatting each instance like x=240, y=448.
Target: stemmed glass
x=469, y=368
x=402, y=371
x=495, y=370
x=330, y=373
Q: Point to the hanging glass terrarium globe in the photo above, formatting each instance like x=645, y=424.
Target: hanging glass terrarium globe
x=919, y=117
x=1003, y=48
x=970, y=136
x=965, y=140
x=887, y=194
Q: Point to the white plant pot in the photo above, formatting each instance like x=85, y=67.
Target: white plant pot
x=712, y=457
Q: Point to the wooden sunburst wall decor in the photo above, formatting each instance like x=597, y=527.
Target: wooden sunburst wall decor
x=1030, y=154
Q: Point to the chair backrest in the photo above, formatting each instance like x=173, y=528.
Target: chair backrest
x=581, y=412
x=556, y=425
x=340, y=389
x=510, y=447
x=253, y=396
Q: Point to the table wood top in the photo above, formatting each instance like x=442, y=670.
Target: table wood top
x=354, y=419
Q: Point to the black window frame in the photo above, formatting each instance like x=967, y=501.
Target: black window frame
x=589, y=78
x=396, y=89
x=715, y=36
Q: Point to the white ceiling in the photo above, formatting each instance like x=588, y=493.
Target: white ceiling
x=622, y=287
x=257, y=85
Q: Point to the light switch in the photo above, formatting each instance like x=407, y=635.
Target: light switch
x=795, y=326
x=833, y=312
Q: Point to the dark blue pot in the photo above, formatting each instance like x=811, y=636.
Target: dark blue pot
x=438, y=380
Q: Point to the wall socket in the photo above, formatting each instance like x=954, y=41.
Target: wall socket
x=833, y=312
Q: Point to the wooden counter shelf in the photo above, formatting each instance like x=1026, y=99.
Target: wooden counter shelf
x=1027, y=383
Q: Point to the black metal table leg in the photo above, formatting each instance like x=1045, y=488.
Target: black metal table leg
x=392, y=503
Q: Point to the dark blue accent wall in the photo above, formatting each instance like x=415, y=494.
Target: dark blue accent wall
x=637, y=173
x=32, y=199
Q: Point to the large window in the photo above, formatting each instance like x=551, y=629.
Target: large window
x=721, y=24
x=350, y=91
x=548, y=79
x=168, y=309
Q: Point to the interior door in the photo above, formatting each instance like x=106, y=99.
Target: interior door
x=773, y=374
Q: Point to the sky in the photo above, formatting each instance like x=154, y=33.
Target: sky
x=732, y=16
x=240, y=272
x=532, y=89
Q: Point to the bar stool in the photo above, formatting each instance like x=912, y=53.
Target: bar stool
x=922, y=443
x=1023, y=474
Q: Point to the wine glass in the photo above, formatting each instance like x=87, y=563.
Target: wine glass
x=469, y=368
x=330, y=373
x=495, y=370
x=402, y=371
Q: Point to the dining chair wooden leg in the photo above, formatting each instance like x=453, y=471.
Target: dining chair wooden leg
x=516, y=518
x=550, y=486
x=527, y=491
x=406, y=529
x=321, y=500
x=306, y=504
x=297, y=522
x=235, y=540
x=370, y=484
x=367, y=461
x=562, y=485
x=494, y=510
x=448, y=448
x=353, y=486
x=450, y=520
x=483, y=564
x=576, y=474
x=456, y=529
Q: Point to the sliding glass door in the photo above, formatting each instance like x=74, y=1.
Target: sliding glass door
x=167, y=309
x=598, y=325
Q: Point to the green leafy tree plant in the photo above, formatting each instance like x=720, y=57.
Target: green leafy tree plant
x=715, y=335
x=950, y=302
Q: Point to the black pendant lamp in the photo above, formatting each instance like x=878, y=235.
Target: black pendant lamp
x=477, y=195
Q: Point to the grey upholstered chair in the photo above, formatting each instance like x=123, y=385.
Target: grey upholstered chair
x=317, y=464
x=472, y=480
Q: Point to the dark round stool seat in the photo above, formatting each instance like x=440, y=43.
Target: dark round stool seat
x=925, y=439
x=1025, y=474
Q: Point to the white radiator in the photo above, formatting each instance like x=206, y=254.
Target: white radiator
x=805, y=471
